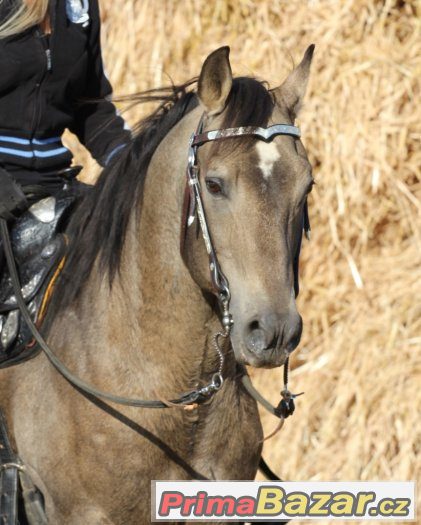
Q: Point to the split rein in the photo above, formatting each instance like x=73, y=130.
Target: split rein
x=193, y=207
x=189, y=398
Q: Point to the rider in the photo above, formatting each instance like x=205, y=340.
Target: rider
x=52, y=78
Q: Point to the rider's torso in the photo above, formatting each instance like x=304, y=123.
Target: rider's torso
x=42, y=78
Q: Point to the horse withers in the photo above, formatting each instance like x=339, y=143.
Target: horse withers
x=133, y=315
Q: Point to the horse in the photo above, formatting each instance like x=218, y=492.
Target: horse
x=133, y=314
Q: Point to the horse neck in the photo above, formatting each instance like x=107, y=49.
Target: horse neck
x=154, y=317
x=171, y=303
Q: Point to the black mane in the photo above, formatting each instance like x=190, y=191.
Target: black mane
x=98, y=227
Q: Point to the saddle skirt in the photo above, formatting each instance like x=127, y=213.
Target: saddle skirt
x=39, y=249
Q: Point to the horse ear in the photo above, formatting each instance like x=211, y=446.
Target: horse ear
x=292, y=91
x=215, y=81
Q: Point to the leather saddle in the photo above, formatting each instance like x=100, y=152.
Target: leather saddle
x=39, y=248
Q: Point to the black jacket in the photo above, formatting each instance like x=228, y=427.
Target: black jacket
x=48, y=83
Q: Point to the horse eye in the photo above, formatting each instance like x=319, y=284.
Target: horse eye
x=214, y=186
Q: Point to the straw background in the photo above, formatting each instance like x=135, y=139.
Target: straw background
x=359, y=360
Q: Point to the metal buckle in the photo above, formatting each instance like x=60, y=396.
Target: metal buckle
x=17, y=466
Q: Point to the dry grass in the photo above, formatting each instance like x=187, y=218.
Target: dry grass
x=359, y=360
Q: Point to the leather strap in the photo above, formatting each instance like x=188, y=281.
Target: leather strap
x=199, y=395
x=33, y=501
x=9, y=467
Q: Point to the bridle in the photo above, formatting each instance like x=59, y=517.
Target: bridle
x=193, y=202
x=193, y=205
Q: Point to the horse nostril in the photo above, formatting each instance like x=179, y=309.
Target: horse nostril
x=260, y=334
x=256, y=340
x=270, y=331
x=254, y=325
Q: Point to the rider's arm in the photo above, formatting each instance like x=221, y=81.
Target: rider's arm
x=97, y=123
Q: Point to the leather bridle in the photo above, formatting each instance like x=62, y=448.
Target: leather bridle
x=193, y=205
x=193, y=201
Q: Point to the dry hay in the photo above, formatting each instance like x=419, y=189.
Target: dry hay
x=359, y=360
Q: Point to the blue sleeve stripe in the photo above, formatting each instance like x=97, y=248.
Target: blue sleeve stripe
x=51, y=153
x=17, y=153
x=41, y=142
x=35, y=153
x=15, y=140
x=27, y=142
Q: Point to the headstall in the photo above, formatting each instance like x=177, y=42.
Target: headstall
x=193, y=202
x=193, y=205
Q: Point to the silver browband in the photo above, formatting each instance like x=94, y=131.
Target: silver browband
x=262, y=133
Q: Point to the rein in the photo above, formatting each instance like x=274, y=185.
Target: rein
x=195, y=396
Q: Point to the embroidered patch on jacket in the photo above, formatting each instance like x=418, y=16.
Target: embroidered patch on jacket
x=78, y=11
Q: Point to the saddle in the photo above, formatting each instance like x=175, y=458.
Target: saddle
x=39, y=248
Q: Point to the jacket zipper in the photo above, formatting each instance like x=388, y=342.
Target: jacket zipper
x=48, y=63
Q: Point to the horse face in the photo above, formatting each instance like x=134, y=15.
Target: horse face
x=254, y=201
x=254, y=194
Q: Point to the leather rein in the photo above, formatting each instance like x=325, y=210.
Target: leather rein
x=193, y=206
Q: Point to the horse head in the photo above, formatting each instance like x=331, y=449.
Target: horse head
x=254, y=194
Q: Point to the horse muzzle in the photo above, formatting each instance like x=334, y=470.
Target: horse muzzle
x=268, y=339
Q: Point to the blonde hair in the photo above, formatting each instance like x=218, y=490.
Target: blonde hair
x=26, y=14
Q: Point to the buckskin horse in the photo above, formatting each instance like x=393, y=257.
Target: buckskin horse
x=135, y=314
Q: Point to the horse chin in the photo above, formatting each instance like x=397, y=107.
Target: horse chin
x=270, y=358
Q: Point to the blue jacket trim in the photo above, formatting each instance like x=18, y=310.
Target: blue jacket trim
x=34, y=153
x=41, y=142
x=15, y=140
x=17, y=153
